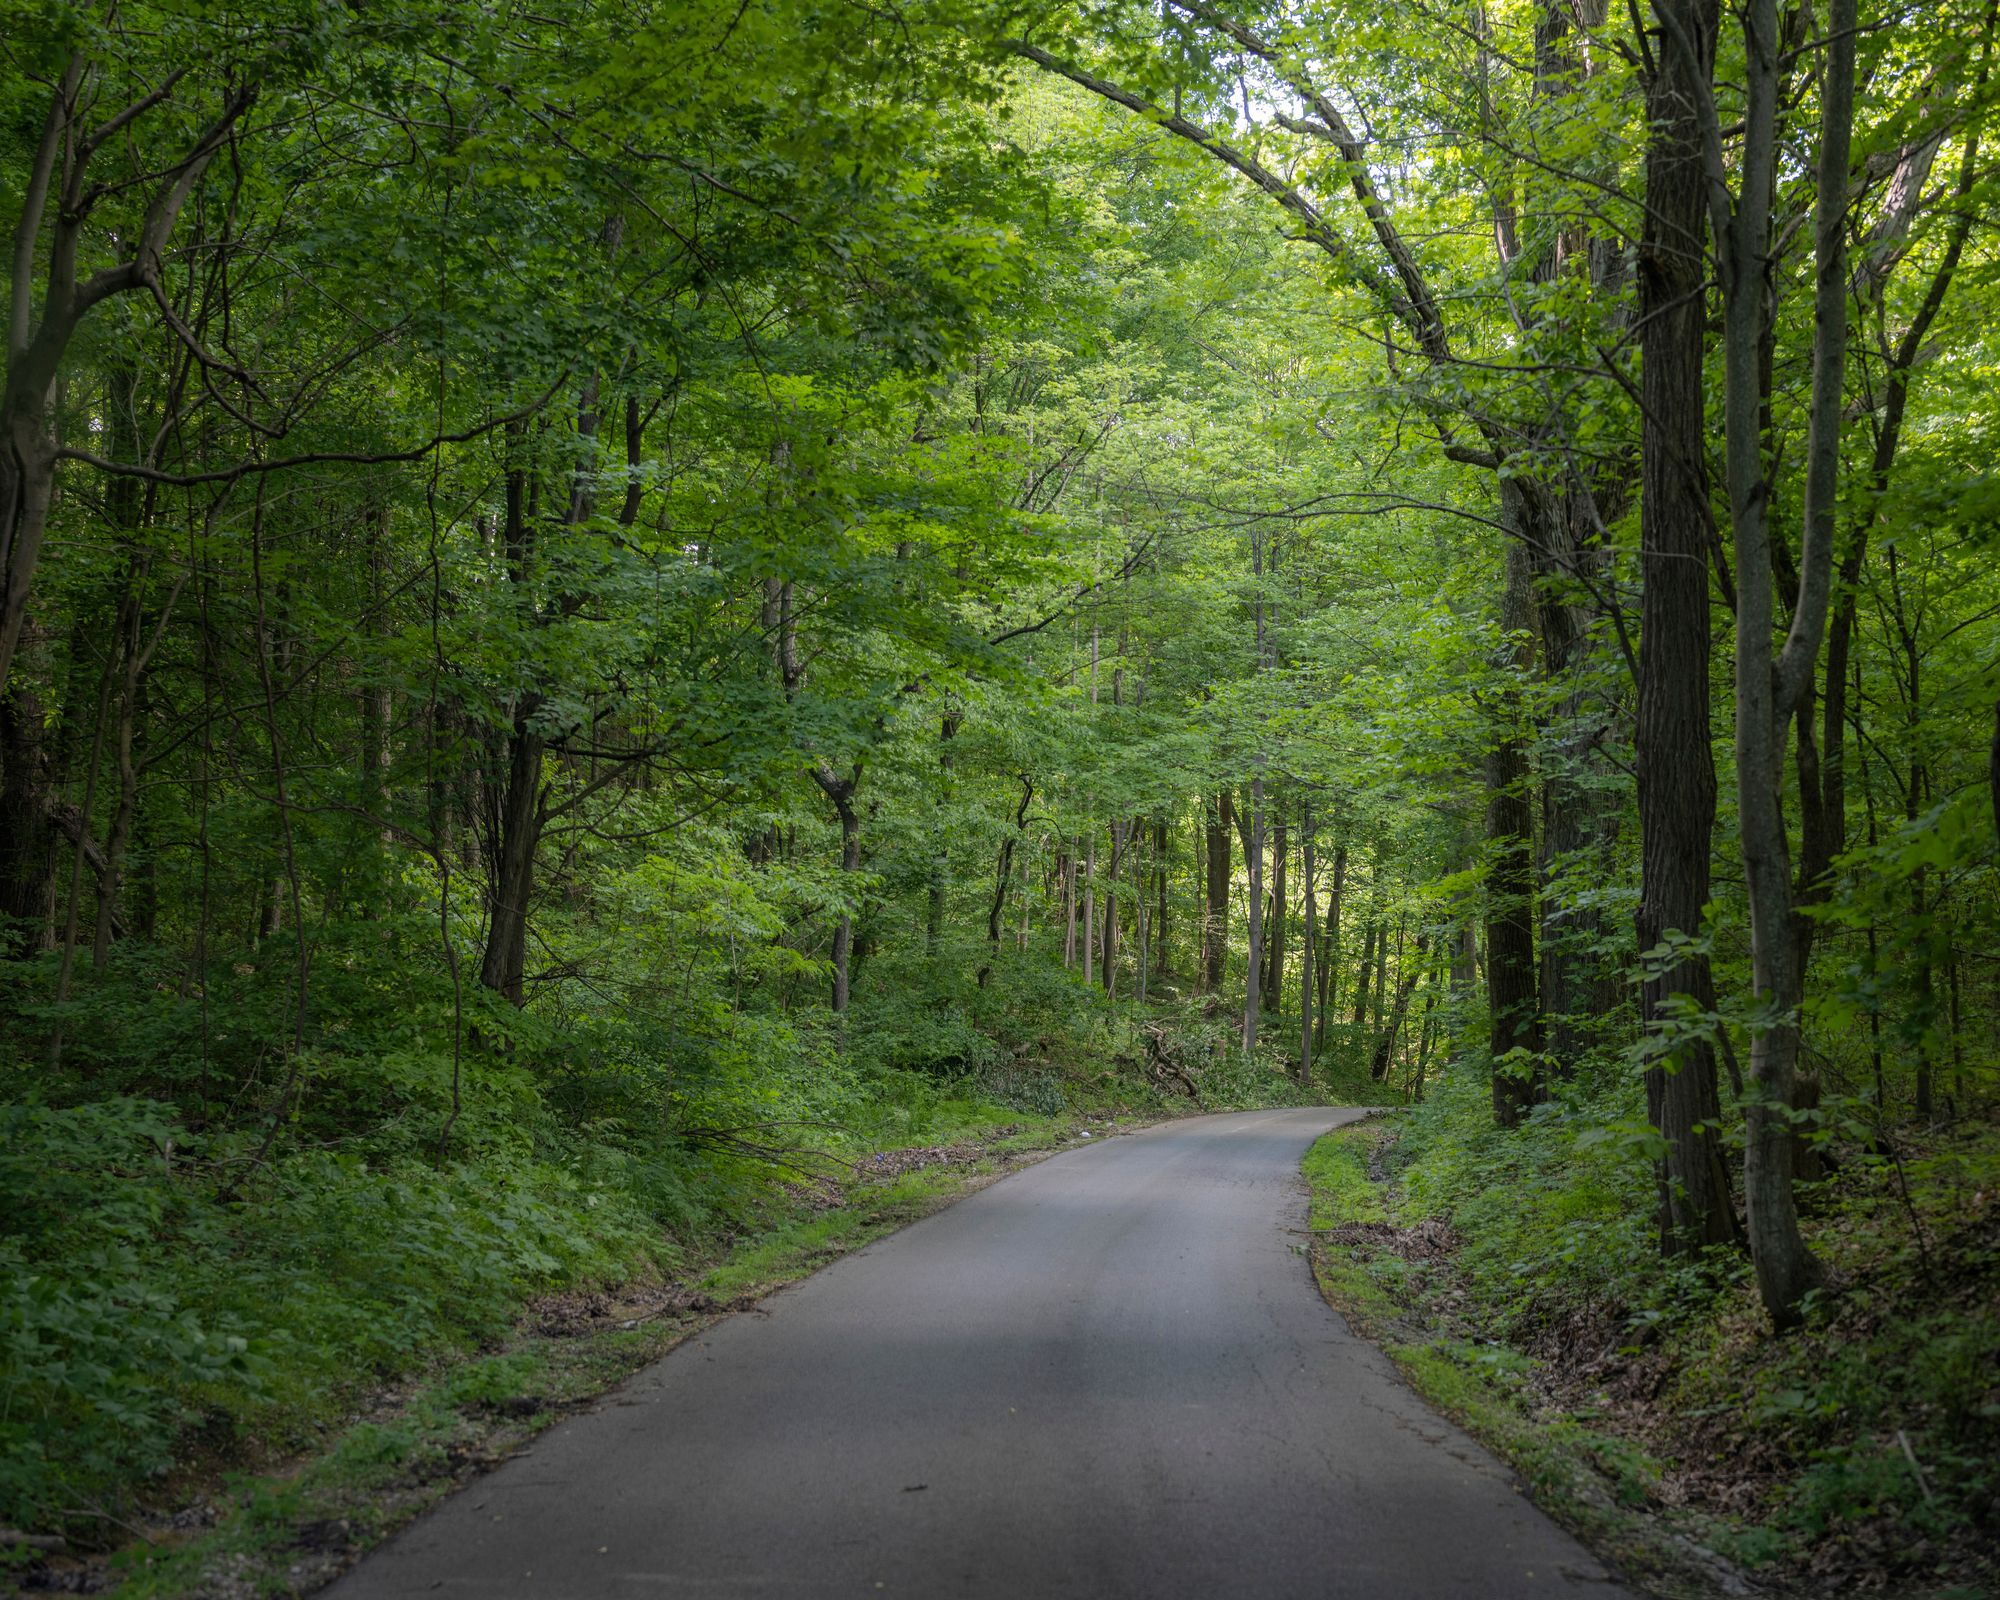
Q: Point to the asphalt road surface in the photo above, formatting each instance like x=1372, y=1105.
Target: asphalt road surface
x=1109, y=1374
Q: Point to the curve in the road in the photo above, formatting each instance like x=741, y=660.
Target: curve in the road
x=1109, y=1374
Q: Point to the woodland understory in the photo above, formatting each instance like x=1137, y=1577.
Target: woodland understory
x=606, y=612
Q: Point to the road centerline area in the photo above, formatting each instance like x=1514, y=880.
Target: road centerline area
x=1107, y=1375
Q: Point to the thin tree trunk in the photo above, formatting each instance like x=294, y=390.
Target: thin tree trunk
x=948, y=726
x=1770, y=685
x=841, y=793
x=1392, y=1025
x=1255, y=854
x=376, y=707
x=1141, y=951
x=1511, y=979
x=503, y=965
x=1217, y=826
x=1021, y=934
x=1329, y=965
x=1254, y=844
x=1369, y=934
x=1090, y=834
x=111, y=881
x=1068, y=873
x=28, y=837
x=1089, y=951
x=1274, y=933
x=1002, y=876
x=1162, y=839
x=1306, y=943
x=1382, y=965
x=1110, y=952
x=517, y=823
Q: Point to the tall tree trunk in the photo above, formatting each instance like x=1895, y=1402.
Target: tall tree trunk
x=1676, y=770
x=1274, y=934
x=1382, y=965
x=1090, y=834
x=1003, y=875
x=1370, y=931
x=1027, y=879
x=1254, y=841
x=841, y=793
x=1771, y=684
x=125, y=703
x=1823, y=803
x=1217, y=826
x=503, y=966
x=940, y=867
x=1068, y=872
x=1141, y=942
x=519, y=813
x=1162, y=838
x=1254, y=855
x=1306, y=942
x=1110, y=954
x=1993, y=768
x=1392, y=1025
x=27, y=825
x=376, y=707
x=1511, y=978
x=1089, y=952
x=1329, y=962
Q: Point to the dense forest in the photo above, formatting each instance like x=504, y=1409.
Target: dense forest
x=603, y=607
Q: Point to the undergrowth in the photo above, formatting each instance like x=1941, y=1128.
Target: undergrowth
x=175, y=1302
x=1515, y=1277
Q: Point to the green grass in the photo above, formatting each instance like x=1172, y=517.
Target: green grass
x=1862, y=1452
x=1336, y=1172
x=1587, y=1480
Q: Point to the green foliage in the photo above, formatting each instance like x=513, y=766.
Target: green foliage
x=1874, y=1423
x=146, y=1307
x=648, y=589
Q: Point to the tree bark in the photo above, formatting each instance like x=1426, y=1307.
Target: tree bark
x=28, y=831
x=1382, y=965
x=1514, y=1003
x=1068, y=871
x=1002, y=876
x=1110, y=947
x=1370, y=931
x=1392, y=1025
x=1274, y=934
x=1309, y=933
x=1217, y=826
x=841, y=792
x=1676, y=770
x=503, y=965
x=1329, y=963
x=1254, y=855
x=519, y=806
x=940, y=867
x=1771, y=685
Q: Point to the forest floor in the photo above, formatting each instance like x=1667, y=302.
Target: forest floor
x=237, y=1524
x=1704, y=1457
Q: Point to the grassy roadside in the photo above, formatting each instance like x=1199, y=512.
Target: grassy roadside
x=1674, y=1434
x=1393, y=1284
x=288, y=1526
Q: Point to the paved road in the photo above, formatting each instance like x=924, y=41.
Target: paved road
x=1108, y=1375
